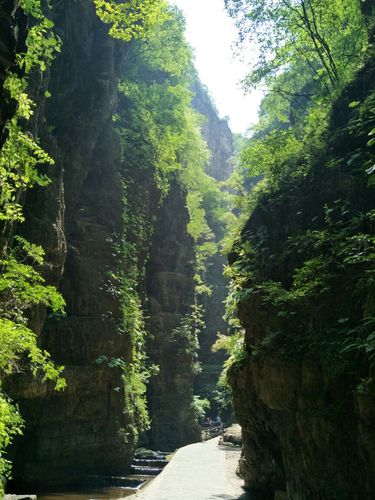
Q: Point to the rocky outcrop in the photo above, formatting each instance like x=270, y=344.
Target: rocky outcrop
x=78, y=431
x=218, y=136
x=170, y=292
x=232, y=435
x=216, y=132
x=169, y=295
x=304, y=395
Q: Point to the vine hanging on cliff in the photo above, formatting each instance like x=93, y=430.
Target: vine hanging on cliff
x=22, y=287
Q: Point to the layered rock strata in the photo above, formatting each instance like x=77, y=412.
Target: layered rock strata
x=219, y=138
x=304, y=394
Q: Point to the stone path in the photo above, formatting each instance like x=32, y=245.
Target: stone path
x=201, y=471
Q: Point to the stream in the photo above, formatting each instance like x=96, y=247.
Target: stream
x=143, y=469
x=88, y=494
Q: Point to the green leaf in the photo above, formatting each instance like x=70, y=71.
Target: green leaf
x=354, y=104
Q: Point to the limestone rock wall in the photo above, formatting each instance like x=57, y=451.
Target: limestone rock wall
x=307, y=426
x=218, y=136
x=77, y=219
x=170, y=292
x=78, y=431
x=216, y=132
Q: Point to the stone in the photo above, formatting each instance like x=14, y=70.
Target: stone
x=170, y=287
x=232, y=435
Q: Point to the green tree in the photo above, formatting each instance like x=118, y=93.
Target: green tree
x=133, y=19
x=328, y=36
x=309, y=50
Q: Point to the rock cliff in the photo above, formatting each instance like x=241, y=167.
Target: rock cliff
x=110, y=239
x=13, y=31
x=170, y=290
x=304, y=391
x=78, y=431
x=216, y=132
x=219, y=140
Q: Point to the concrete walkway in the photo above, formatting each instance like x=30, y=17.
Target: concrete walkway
x=201, y=471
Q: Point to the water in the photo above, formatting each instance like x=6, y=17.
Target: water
x=89, y=494
x=112, y=487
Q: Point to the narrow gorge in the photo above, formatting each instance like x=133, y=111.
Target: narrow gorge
x=159, y=271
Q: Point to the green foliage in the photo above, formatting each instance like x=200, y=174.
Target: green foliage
x=132, y=19
x=305, y=61
x=136, y=373
x=307, y=318
x=301, y=277
x=18, y=341
x=233, y=345
x=162, y=131
x=328, y=37
x=22, y=287
x=363, y=126
x=42, y=45
x=200, y=407
x=21, y=154
x=124, y=283
x=161, y=128
x=11, y=425
x=271, y=151
x=183, y=339
x=223, y=396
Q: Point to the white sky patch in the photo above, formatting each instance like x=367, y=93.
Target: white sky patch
x=212, y=33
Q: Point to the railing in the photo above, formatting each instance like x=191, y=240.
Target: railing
x=212, y=432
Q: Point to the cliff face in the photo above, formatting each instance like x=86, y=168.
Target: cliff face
x=78, y=431
x=100, y=221
x=113, y=244
x=218, y=136
x=304, y=393
x=170, y=290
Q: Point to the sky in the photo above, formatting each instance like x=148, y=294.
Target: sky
x=212, y=33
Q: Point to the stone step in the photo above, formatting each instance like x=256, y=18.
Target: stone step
x=145, y=471
x=151, y=455
x=139, y=477
x=150, y=462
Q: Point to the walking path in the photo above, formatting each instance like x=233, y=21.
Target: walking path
x=201, y=471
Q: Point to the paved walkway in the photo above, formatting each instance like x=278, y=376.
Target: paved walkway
x=201, y=471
